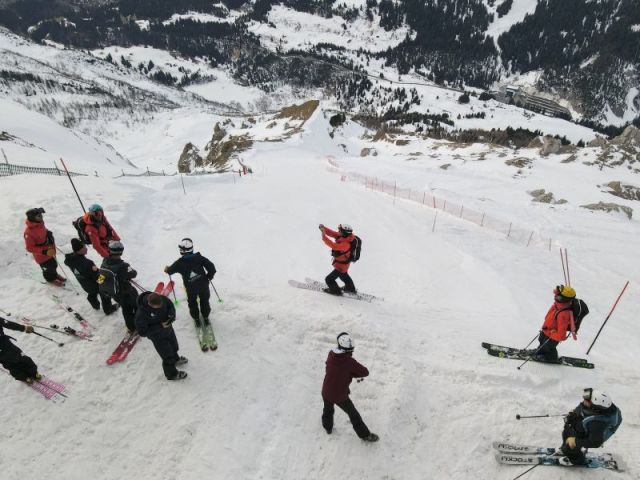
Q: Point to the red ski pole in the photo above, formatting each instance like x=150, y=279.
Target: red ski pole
x=607, y=319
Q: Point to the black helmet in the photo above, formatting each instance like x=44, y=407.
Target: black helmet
x=116, y=247
x=32, y=213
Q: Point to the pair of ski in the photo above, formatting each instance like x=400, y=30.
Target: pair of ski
x=516, y=454
x=316, y=286
x=206, y=337
x=129, y=341
x=521, y=354
x=54, y=391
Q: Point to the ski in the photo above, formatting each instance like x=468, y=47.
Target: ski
x=124, y=347
x=319, y=287
x=167, y=289
x=507, y=447
x=209, y=336
x=72, y=332
x=595, y=460
x=159, y=287
x=520, y=354
x=50, y=390
x=200, y=332
x=71, y=311
x=359, y=296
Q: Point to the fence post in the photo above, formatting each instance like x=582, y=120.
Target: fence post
x=482, y=220
x=57, y=169
x=6, y=160
x=509, y=232
x=395, y=185
x=163, y=172
x=148, y=172
x=424, y=194
x=530, y=237
x=461, y=208
x=549, y=243
x=434, y=202
x=444, y=207
x=122, y=170
x=433, y=229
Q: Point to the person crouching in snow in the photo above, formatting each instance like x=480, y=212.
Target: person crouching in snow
x=341, y=253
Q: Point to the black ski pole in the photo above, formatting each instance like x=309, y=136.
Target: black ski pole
x=518, y=416
x=138, y=286
x=532, y=340
x=214, y=289
x=607, y=319
x=526, y=471
x=52, y=329
x=73, y=185
x=175, y=299
x=534, y=353
x=50, y=339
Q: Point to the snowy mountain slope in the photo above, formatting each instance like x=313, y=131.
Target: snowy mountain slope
x=516, y=14
x=252, y=409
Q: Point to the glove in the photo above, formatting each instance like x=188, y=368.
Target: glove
x=166, y=269
x=571, y=442
x=51, y=252
x=321, y=227
x=50, y=238
x=166, y=324
x=571, y=418
x=28, y=329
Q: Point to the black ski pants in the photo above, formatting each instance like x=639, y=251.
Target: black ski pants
x=349, y=408
x=344, y=276
x=19, y=365
x=93, y=292
x=201, y=292
x=575, y=455
x=50, y=269
x=166, y=344
x=547, y=349
x=128, y=303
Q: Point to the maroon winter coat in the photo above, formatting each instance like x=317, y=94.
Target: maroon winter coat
x=341, y=369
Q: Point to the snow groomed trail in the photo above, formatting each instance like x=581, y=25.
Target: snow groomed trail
x=251, y=410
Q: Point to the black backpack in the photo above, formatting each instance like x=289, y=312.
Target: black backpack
x=80, y=225
x=356, y=246
x=107, y=282
x=579, y=309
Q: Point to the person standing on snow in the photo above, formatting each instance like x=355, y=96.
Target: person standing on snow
x=557, y=322
x=40, y=243
x=341, y=368
x=114, y=280
x=154, y=320
x=589, y=425
x=99, y=230
x=19, y=365
x=196, y=271
x=86, y=273
x=341, y=253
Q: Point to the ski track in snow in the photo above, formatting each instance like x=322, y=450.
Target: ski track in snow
x=252, y=408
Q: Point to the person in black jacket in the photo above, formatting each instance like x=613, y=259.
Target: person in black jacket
x=19, y=365
x=589, y=425
x=197, y=271
x=114, y=280
x=86, y=273
x=154, y=317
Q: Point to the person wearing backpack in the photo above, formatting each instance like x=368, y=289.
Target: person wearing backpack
x=589, y=425
x=558, y=321
x=86, y=273
x=40, y=243
x=154, y=319
x=341, y=369
x=20, y=366
x=341, y=251
x=196, y=271
x=114, y=280
x=96, y=230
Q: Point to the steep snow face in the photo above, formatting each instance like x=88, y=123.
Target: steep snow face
x=252, y=409
x=519, y=10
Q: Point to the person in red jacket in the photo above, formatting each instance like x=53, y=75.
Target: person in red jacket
x=341, y=253
x=99, y=230
x=557, y=322
x=40, y=243
x=341, y=369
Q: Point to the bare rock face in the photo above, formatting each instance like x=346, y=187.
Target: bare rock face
x=628, y=139
x=542, y=196
x=551, y=145
x=598, y=142
x=519, y=162
x=610, y=207
x=220, y=152
x=628, y=192
x=189, y=159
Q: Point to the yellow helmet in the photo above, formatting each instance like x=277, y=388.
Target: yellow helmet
x=566, y=291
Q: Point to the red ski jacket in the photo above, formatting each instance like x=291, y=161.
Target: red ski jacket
x=340, y=249
x=100, y=234
x=557, y=323
x=341, y=369
x=38, y=241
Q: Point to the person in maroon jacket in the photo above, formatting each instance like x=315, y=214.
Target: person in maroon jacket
x=341, y=369
x=40, y=243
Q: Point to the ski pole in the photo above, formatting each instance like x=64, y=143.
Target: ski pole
x=175, y=299
x=526, y=471
x=566, y=260
x=214, y=289
x=607, y=319
x=66, y=273
x=534, y=353
x=72, y=184
x=532, y=340
x=518, y=416
x=50, y=339
x=138, y=286
x=564, y=272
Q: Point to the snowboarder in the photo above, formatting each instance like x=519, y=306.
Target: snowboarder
x=557, y=322
x=197, y=271
x=341, y=369
x=154, y=320
x=99, y=230
x=341, y=253
x=589, y=425
x=86, y=273
x=114, y=280
x=19, y=365
x=40, y=243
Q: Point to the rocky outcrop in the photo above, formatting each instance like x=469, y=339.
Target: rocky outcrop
x=189, y=159
x=542, y=196
x=610, y=207
x=519, y=162
x=365, y=152
x=628, y=192
x=630, y=138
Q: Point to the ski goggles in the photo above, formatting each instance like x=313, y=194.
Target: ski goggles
x=586, y=394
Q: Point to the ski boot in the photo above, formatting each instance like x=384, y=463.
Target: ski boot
x=372, y=437
x=331, y=292
x=179, y=376
x=181, y=361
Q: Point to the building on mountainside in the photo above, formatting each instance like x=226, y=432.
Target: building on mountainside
x=535, y=103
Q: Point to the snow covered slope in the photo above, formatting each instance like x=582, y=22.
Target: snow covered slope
x=252, y=409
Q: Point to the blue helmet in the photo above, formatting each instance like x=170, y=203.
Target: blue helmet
x=95, y=208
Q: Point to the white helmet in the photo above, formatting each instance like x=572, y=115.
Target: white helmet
x=186, y=245
x=344, y=342
x=600, y=399
x=345, y=229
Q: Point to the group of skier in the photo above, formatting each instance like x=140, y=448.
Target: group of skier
x=151, y=315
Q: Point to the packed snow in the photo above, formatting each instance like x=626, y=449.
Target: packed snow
x=252, y=408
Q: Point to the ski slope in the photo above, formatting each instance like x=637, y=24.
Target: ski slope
x=251, y=410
